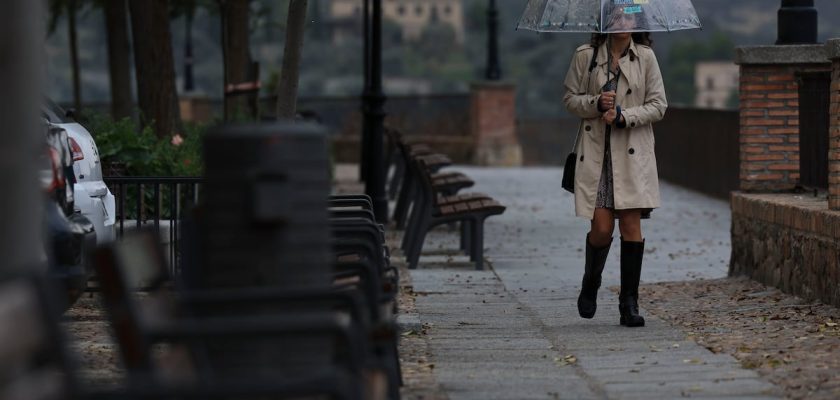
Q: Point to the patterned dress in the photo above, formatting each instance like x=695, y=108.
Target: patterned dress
x=606, y=197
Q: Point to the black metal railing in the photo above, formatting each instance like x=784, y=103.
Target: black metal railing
x=814, y=104
x=155, y=202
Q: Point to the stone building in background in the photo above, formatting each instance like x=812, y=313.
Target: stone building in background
x=413, y=16
x=716, y=83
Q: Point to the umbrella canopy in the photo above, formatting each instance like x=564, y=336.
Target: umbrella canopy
x=608, y=16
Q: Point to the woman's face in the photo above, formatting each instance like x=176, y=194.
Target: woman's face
x=621, y=21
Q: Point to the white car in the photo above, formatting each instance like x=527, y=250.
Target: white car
x=92, y=197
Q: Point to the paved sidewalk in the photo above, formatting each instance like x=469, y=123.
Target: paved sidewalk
x=512, y=332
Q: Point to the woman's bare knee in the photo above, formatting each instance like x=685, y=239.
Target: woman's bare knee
x=630, y=225
x=603, y=225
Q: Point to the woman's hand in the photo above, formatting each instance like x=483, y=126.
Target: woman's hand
x=609, y=116
x=606, y=101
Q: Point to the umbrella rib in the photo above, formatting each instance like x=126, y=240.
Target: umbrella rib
x=542, y=14
x=601, y=21
x=664, y=14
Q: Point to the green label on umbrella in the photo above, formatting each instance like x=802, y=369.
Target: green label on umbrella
x=633, y=10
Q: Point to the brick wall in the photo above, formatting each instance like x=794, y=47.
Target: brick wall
x=769, y=113
x=493, y=124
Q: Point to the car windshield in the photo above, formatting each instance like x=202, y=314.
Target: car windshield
x=54, y=113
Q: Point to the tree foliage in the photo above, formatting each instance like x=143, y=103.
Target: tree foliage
x=683, y=56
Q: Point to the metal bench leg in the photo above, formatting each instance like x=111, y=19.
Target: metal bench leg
x=477, y=253
x=407, y=194
x=416, y=245
x=396, y=180
x=413, y=221
x=466, y=234
x=421, y=227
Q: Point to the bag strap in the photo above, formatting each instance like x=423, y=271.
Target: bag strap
x=592, y=64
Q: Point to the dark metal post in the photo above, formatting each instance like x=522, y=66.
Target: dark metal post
x=364, y=141
x=21, y=233
x=375, y=183
x=797, y=22
x=494, y=72
x=189, y=84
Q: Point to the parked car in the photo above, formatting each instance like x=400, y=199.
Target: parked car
x=92, y=196
x=70, y=236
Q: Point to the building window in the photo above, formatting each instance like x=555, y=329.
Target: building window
x=401, y=10
x=447, y=9
x=418, y=10
x=710, y=83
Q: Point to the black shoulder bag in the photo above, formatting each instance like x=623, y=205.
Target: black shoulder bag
x=571, y=160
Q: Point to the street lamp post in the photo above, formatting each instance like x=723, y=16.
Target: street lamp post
x=364, y=141
x=797, y=22
x=493, y=72
x=374, y=117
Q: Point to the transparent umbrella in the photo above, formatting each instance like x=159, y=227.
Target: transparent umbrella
x=605, y=16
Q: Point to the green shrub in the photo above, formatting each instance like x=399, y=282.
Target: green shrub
x=144, y=154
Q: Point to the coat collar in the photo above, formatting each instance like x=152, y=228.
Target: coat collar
x=603, y=54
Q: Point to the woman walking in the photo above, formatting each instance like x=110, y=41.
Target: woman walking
x=614, y=85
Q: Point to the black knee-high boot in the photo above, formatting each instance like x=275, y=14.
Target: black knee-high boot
x=631, y=271
x=595, y=260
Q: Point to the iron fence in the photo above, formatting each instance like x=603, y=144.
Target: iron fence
x=814, y=104
x=159, y=202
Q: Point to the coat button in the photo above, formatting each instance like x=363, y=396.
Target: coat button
x=632, y=124
x=587, y=128
x=631, y=151
x=629, y=91
x=591, y=101
x=581, y=158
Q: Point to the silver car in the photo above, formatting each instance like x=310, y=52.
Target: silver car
x=92, y=197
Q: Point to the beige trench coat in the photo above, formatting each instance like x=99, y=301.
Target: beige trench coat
x=641, y=95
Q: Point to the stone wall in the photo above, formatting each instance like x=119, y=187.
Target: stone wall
x=787, y=241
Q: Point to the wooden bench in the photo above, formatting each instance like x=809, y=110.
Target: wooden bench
x=198, y=325
x=431, y=210
x=447, y=183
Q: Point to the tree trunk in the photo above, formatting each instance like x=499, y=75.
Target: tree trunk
x=74, y=55
x=189, y=84
x=240, y=82
x=155, y=67
x=21, y=60
x=290, y=72
x=119, y=58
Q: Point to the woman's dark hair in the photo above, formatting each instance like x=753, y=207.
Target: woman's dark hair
x=639, y=37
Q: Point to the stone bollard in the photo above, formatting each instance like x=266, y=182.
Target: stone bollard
x=833, y=50
x=264, y=224
x=264, y=218
x=493, y=124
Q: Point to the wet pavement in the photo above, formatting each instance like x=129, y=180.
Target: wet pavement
x=512, y=331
